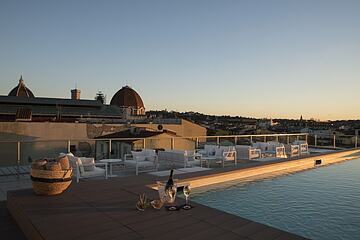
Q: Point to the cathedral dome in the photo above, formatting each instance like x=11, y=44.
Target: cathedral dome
x=127, y=97
x=21, y=91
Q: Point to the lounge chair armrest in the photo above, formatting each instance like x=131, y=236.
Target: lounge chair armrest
x=227, y=152
x=255, y=150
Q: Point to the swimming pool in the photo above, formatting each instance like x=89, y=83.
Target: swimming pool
x=321, y=203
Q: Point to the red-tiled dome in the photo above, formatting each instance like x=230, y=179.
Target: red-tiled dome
x=127, y=97
x=21, y=91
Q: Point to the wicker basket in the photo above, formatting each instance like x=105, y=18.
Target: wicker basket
x=50, y=182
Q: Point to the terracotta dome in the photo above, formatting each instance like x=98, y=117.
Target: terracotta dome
x=21, y=91
x=127, y=97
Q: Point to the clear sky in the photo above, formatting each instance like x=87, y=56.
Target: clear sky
x=253, y=58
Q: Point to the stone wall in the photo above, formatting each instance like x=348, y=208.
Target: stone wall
x=22, y=131
x=51, y=138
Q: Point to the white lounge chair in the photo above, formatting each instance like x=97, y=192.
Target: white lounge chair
x=247, y=152
x=292, y=150
x=174, y=158
x=278, y=149
x=192, y=158
x=143, y=161
x=209, y=150
x=222, y=155
x=273, y=149
x=303, y=145
x=86, y=167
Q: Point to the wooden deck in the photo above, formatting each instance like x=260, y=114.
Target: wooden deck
x=8, y=227
x=105, y=209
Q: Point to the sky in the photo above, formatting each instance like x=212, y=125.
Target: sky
x=269, y=58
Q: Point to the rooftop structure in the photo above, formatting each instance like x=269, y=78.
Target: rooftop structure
x=21, y=91
x=75, y=94
x=129, y=99
x=21, y=105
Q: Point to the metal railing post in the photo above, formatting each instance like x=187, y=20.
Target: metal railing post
x=277, y=138
x=288, y=139
x=68, y=146
x=315, y=140
x=109, y=148
x=297, y=138
x=197, y=143
x=18, y=160
x=218, y=141
x=144, y=143
x=264, y=138
x=334, y=141
x=356, y=141
x=172, y=143
x=251, y=139
x=235, y=140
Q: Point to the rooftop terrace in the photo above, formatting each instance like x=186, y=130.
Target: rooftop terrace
x=82, y=213
x=112, y=213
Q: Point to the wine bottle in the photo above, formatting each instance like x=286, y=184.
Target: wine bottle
x=170, y=182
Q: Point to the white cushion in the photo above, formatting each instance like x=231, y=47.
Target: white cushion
x=139, y=156
x=149, y=152
x=94, y=173
x=263, y=146
x=62, y=155
x=150, y=158
x=202, y=152
x=210, y=149
x=226, y=148
x=243, y=147
x=88, y=163
x=75, y=163
x=219, y=152
x=66, y=154
x=193, y=162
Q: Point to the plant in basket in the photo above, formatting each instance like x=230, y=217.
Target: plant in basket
x=51, y=177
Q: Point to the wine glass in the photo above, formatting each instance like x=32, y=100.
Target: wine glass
x=187, y=191
x=171, y=193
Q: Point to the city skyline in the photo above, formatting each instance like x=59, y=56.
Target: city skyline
x=281, y=59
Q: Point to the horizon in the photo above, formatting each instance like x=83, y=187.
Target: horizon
x=204, y=113
x=278, y=59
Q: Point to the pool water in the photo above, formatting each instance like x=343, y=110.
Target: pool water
x=321, y=203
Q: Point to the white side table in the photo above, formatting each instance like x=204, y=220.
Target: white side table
x=110, y=162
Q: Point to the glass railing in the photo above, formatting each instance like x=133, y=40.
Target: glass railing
x=22, y=153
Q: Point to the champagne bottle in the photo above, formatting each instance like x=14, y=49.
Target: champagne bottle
x=170, y=182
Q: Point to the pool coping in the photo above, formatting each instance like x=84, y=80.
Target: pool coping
x=258, y=169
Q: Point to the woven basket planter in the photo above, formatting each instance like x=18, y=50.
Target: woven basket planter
x=46, y=182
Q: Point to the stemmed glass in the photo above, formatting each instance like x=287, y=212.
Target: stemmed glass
x=187, y=191
x=171, y=193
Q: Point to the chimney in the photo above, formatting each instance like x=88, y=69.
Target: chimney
x=75, y=94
